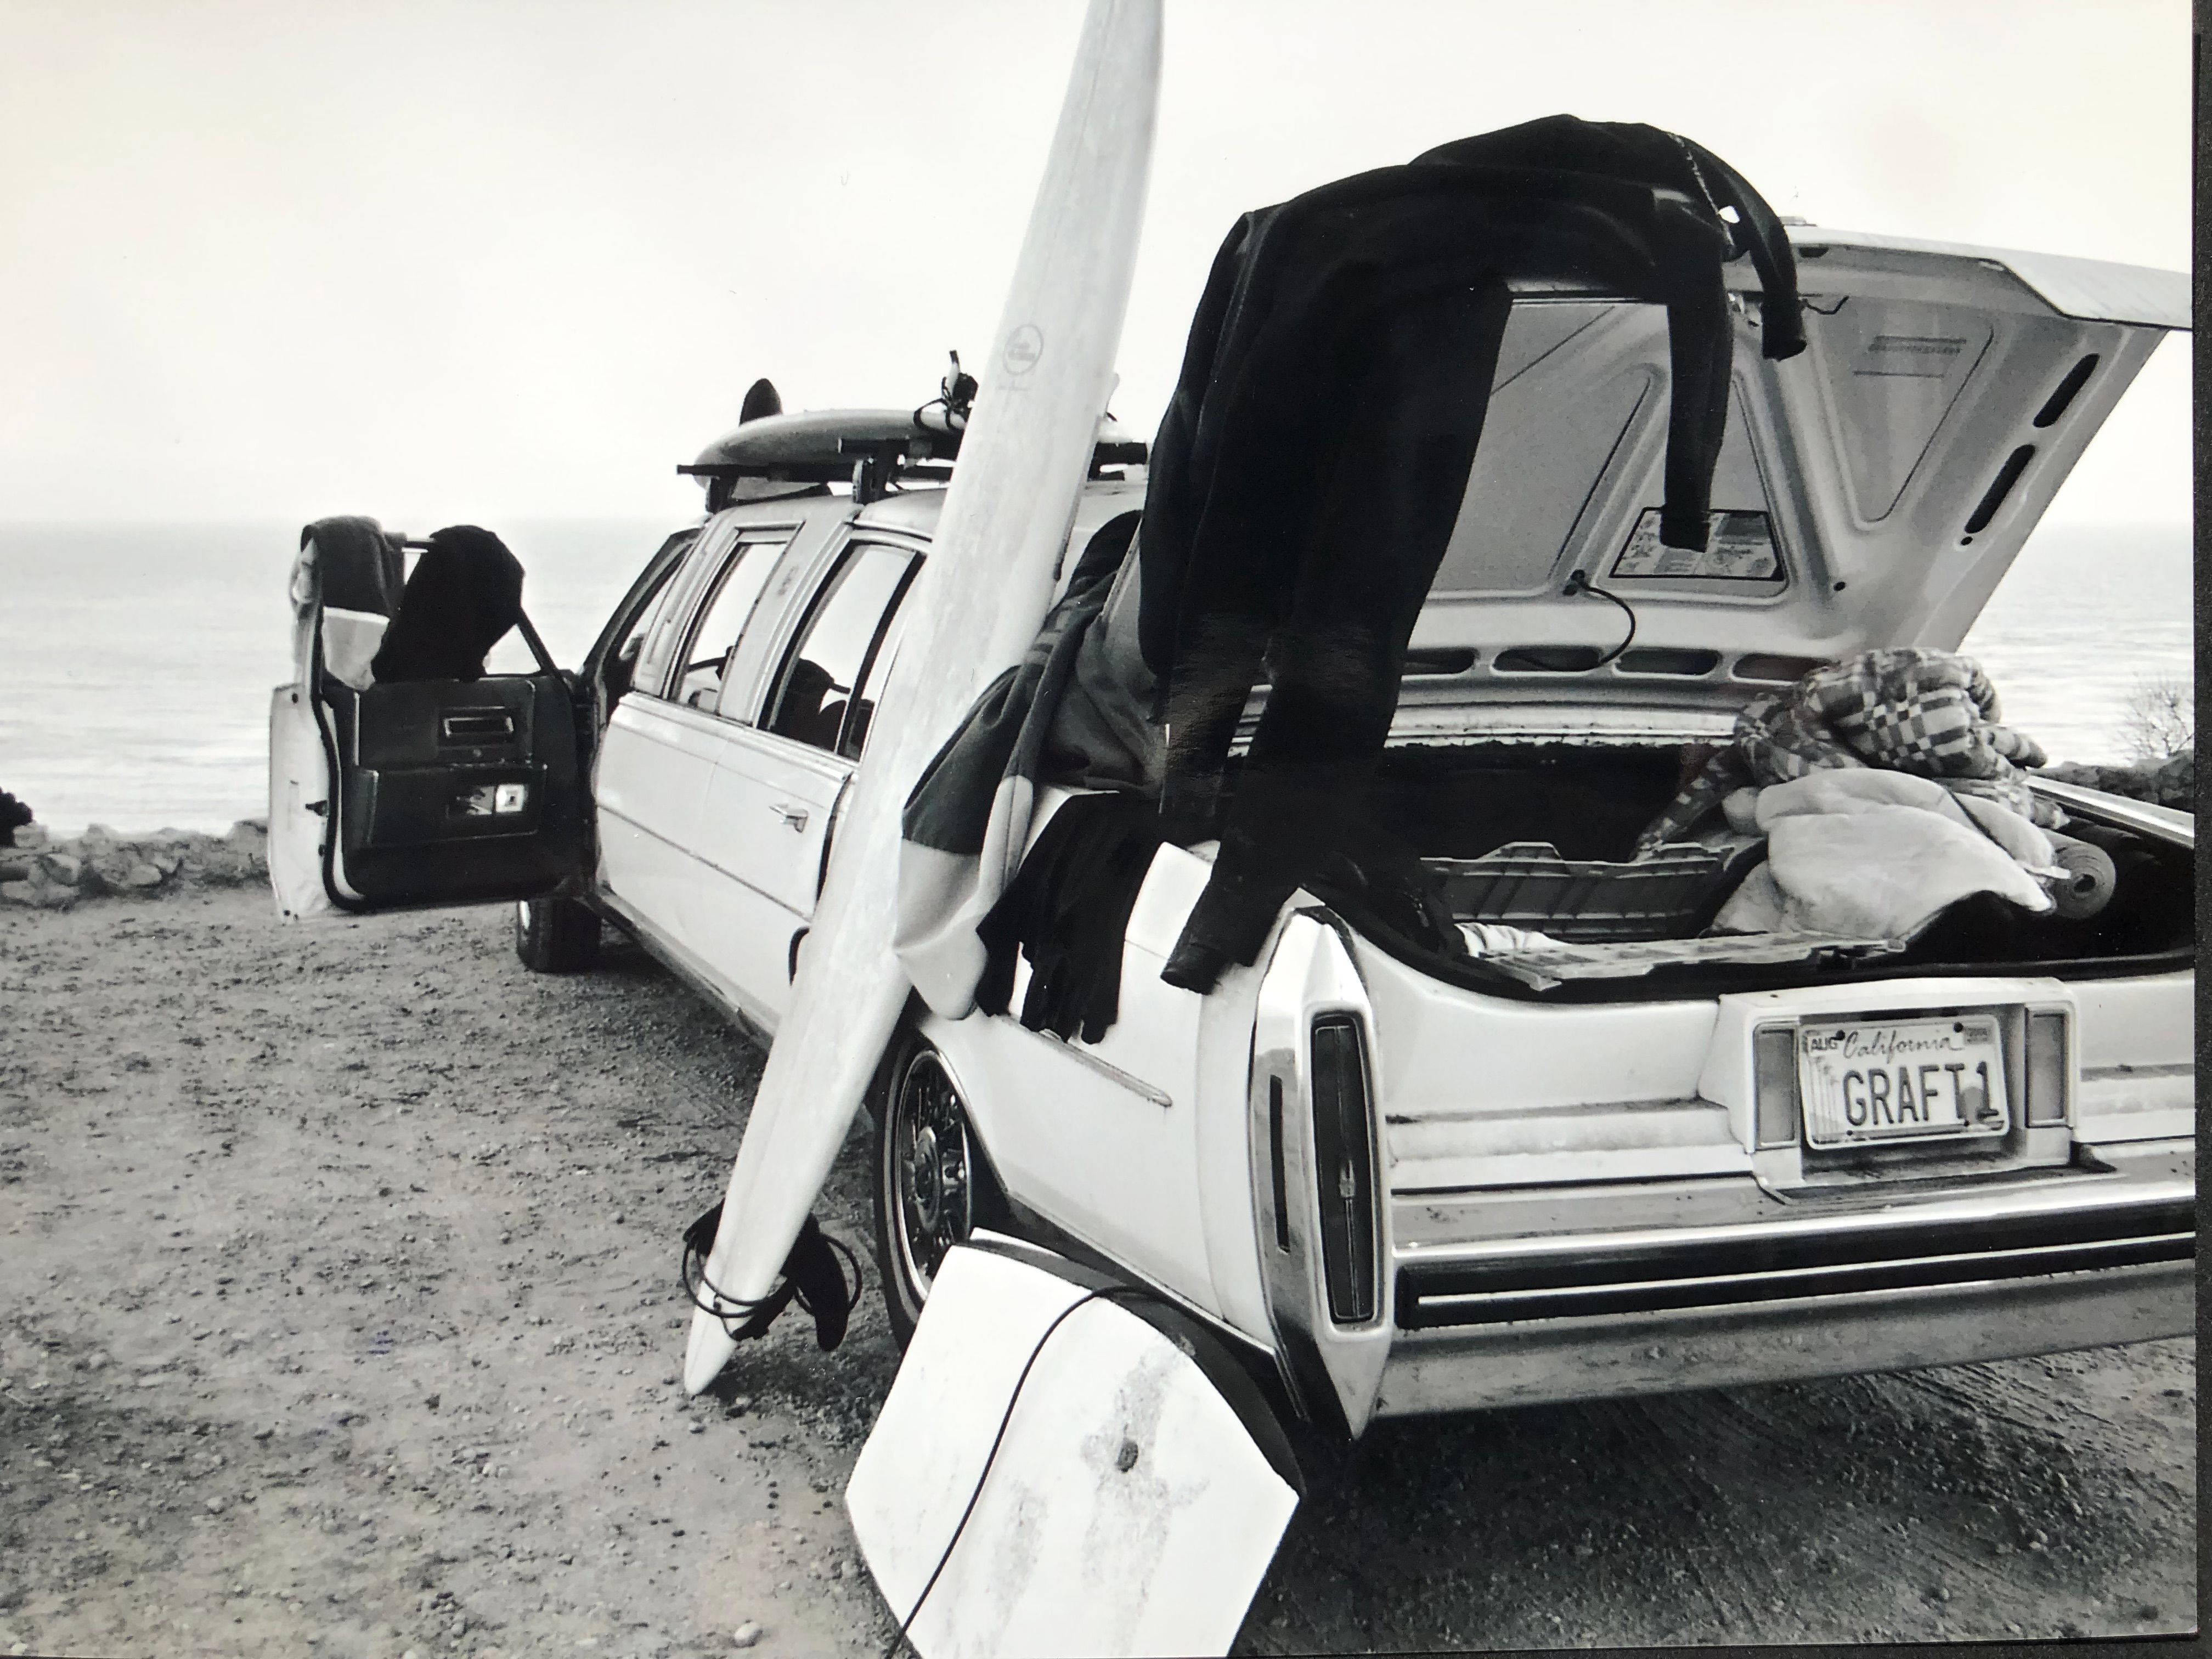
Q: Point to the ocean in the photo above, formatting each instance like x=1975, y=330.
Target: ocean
x=135, y=660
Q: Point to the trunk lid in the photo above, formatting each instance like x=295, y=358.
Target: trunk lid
x=1870, y=492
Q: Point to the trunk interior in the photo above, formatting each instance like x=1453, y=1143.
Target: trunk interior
x=1574, y=811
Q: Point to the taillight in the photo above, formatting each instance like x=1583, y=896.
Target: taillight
x=1343, y=1168
x=2046, y=1068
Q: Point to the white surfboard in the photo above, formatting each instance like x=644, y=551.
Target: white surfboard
x=979, y=602
x=1167, y=1484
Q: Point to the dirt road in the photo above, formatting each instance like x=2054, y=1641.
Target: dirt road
x=341, y=1317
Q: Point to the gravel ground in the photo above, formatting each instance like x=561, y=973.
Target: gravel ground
x=341, y=1319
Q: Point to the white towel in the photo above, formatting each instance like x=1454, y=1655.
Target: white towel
x=1868, y=868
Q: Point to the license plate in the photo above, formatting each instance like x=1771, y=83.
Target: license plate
x=1902, y=1080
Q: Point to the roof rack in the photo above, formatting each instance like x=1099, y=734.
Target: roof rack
x=876, y=449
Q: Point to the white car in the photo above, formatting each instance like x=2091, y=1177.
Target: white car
x=1406, y=1184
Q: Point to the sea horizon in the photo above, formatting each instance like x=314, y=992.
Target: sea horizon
x=136, y=656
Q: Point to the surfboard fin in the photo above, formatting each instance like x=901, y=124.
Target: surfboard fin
x=811, y=1277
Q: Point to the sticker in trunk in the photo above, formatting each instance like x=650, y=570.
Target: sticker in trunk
x=1738, y=547
x=1916, y=1079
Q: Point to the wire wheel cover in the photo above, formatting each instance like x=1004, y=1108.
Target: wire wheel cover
x=930, y=1159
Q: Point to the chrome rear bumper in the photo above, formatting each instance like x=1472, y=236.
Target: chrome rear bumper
x=1734, y=1286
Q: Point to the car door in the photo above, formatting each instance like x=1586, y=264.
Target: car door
x=665, y=737
x=386, y=794
x=794, y=738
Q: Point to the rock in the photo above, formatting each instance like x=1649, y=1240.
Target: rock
x=2168, y=782
x=2176, y=781
x=746, y=1635
x=102, y=862
x=19, y=892
x=30, y=835
x=215, y=1506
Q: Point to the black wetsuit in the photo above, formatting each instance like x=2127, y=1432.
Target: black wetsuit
x=1310, y=464
x=464, y=593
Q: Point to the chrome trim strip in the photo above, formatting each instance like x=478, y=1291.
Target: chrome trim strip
x=1135, y=1086
x=1574, y=1108
x=720, y=869
x=1784, y=1278
x=2163, y=822
x=824, y=764
x=2088, y=1195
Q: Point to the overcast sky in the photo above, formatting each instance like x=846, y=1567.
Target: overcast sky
x=465, y=260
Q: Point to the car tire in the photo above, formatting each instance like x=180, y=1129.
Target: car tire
x=555, y=935
x=931, y=1182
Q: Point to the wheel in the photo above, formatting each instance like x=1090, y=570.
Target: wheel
x=555, y=935
x=932, y=1185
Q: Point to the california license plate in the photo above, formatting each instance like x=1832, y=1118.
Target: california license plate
x=1901, y=1080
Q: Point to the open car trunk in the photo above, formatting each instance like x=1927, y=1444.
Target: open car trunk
x=1568, y=675
x=1539, y=836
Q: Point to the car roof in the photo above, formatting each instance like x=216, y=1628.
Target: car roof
x=914, y=512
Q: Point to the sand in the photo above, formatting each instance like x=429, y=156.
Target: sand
x=342, y=1317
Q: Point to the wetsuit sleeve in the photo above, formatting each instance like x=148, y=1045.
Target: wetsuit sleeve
x=1782, y=327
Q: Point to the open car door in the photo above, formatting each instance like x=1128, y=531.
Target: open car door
x=385, y=792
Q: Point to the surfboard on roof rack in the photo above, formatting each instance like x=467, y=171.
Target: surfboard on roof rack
x=874, y=449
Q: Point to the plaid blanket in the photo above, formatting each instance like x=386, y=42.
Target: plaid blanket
x=1933, y=714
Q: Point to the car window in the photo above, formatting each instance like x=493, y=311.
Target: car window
x=620, y=671
x=667, y=632
x=730, y=602
x=871, y=681
x=815, y=688
x=755, y=658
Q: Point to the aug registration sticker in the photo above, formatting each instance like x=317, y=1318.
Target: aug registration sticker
x=1916, y=1079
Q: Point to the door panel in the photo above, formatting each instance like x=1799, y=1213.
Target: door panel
x=658, y=753
x=419, y=791
x=655, y=763
x=299, y=804
x=1095, y=1154
x=454, y=790
x=765, y=832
